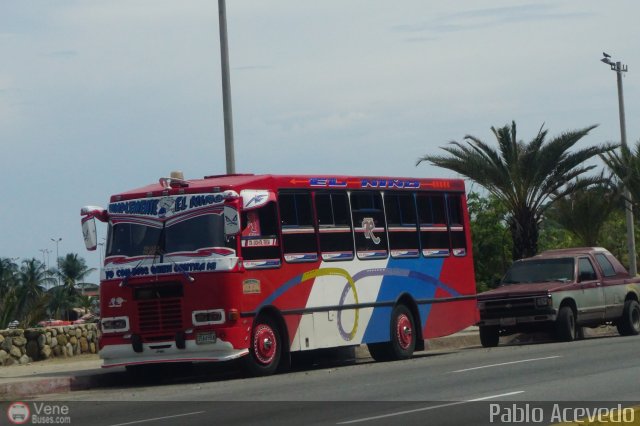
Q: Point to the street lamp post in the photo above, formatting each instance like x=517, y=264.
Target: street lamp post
x=619, y=68
x=226, y=88
x=57, y=241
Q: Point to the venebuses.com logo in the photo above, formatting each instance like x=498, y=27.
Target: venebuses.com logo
x=18, y=413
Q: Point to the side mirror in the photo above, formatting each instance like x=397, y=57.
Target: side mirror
x=89, y=233
x=89, y=214
x=231, y=221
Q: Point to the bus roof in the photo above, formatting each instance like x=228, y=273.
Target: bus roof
x=238, y=182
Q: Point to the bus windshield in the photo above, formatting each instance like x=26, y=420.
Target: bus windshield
x=189, y=235
x=540, y=270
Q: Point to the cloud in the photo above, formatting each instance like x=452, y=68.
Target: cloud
x=488, y=18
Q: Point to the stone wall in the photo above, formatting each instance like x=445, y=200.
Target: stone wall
x=36, y=344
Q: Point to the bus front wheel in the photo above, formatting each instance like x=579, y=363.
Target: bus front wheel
x=266, y=348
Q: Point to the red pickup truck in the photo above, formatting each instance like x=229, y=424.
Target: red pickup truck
x=561, y=291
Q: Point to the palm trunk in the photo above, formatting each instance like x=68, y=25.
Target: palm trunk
x=524, y=231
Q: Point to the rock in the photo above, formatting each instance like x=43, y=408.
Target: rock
x=9, y=361
x=69, y=349
x=57, y=350
x=54, y=342
x=84, y=345
x=78, y=332
x=46, y=352
x=24, y=359
x=3, y=356
x=32, y=349
x=76, y=349
x=73, y=340
x=1, y=338
x=54, y=332
x=15, y=352
x=6, y=344
x=92, y=347
x=66, y=329
x=42, y=340
x=62, y=339
x=49, y=338
x=19, y=341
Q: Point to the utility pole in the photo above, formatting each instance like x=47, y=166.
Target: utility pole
x=57, y=241
x=619, y=68
x=226, y=88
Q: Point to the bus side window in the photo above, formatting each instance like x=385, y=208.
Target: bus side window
x=401, y=219
x=456, y=225
x=434, y=234
x=334, y=225
x=259, y=241
x=369, y=225
x=299, y=241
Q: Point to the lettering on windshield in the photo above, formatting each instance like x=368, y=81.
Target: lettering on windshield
x=165, y=206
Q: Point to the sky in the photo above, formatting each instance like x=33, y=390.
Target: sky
x=99, y=97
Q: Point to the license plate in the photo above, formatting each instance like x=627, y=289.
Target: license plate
x=507, y=321
x=206, y=338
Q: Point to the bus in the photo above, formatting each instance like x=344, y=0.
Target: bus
x=257, y=267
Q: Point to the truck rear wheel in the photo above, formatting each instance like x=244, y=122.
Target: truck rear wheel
x=566, y=325
x=629, y=322
x=489, y=336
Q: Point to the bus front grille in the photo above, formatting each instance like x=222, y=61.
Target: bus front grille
x=160, y=315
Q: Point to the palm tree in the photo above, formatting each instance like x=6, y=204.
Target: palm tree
x=73, y=270
x=584, y=213
x=8, y=287
x=526, y=177
x=626, y=166
x=30, y=295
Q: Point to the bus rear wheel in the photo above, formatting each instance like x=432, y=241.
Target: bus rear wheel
x=403, y=337
x=266, y=348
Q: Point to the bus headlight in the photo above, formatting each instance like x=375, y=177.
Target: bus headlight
x=115, y=324
x=212, y=316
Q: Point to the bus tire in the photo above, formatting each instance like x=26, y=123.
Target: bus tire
x=403, y=333
x=265, y=350
x=566, y=325
x=403, y=337
x=489, y=336
x=629, y=322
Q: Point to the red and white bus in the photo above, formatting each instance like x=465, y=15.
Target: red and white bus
x=260, y=266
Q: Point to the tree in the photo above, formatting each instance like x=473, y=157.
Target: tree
x=73, y=270
x=491, y=240
x=31, y=299
x=526, y=177
x=585, y=212
x=8, y=291
x=625, y=165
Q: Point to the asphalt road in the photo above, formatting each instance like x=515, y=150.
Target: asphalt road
x=470, y=386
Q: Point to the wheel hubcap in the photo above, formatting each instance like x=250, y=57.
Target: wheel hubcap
x=404, y=332
x=264, y=344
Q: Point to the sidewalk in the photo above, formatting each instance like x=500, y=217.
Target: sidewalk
x=84, y=372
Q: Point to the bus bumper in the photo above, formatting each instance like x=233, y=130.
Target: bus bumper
x=116, y=355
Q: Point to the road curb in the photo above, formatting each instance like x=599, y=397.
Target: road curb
x=13, y=390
